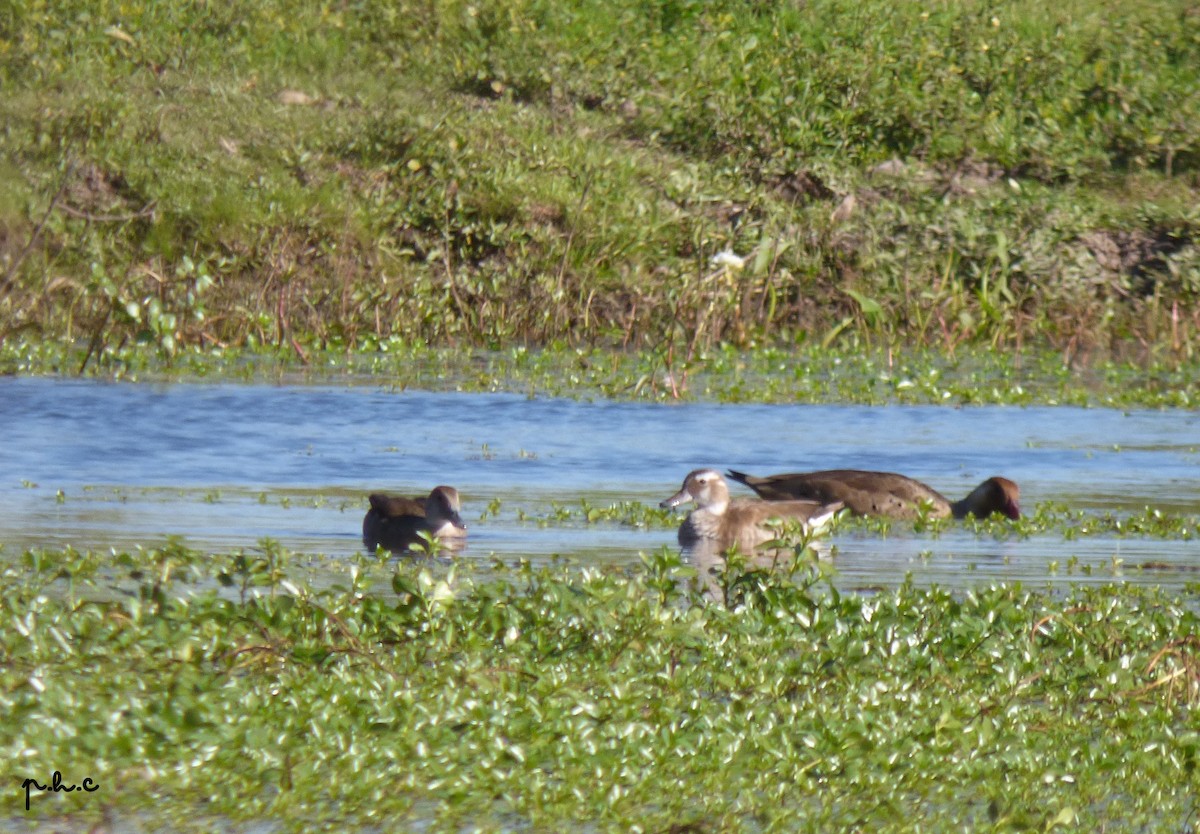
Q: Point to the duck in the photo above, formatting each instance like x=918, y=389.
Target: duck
x=395, y=522
x=886, y=494
x=740, y=522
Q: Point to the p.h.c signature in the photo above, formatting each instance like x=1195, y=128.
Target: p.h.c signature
x=56, y=786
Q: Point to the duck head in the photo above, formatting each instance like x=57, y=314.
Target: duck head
x=706, y=488
x=442, y=509
x=1007, y=497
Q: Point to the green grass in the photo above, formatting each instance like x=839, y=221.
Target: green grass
x=522, y=172
x=534, y=699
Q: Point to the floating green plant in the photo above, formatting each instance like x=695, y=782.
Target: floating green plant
x=1046, y=518
x=625, y=699
x=628, y=513
x=726, y=373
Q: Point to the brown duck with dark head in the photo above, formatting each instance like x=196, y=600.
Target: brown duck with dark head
x=395, y=522
x=886, y=493
x=727, y=522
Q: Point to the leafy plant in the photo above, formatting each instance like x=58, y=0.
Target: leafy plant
x=546, y=696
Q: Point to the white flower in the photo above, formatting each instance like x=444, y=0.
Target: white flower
x=729, y=259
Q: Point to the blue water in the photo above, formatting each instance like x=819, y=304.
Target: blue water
x=99, y=465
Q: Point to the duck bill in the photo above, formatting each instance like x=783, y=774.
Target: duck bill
x=681, y=497
x=455, y=519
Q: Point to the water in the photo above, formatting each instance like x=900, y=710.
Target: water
x=98, y=465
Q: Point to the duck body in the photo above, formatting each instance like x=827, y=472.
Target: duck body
x=726, y=522
x=886, y=494
x=396, y=522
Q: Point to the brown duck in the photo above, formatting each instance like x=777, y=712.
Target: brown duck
x=741, y=522
x=886, y=493
x=395, y=522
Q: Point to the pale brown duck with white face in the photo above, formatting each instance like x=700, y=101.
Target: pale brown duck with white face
x=728, y=522
x=395, y=522
x=886, y=494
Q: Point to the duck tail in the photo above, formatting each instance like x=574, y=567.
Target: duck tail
x=740, y=477
x=826, y=514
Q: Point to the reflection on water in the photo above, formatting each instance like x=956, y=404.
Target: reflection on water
x=95, y=465
x=711, y=564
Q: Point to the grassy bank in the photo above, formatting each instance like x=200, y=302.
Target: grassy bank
x=955, y=175
x=534, y=699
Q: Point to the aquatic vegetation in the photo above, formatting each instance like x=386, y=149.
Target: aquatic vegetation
x=1149, y=522
x=545, y=697
x=629, y=513
x=1047, y=518
x=727, y=373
